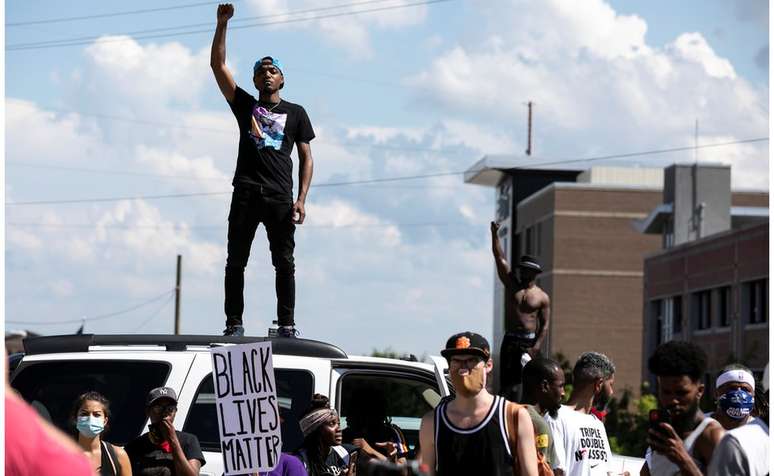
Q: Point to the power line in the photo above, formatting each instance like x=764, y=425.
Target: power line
x=146, y=122
x=62, y=43
x=654, y=152
x=223, y=225
x=98, y=317
x=397, y=179
x=176, y=177
x=198, y=25
x=108, y=15
x=155, y=313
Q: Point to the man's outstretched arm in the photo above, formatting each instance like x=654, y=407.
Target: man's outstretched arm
x=218, y=53
x=503, y=269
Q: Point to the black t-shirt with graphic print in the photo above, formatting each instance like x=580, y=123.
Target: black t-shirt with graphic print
x=266, y=139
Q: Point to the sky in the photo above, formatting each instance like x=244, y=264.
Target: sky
x=120, y=149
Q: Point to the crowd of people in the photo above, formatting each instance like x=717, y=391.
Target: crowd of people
x=527, y=429
x=471, y=432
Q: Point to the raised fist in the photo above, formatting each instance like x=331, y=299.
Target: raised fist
x=225, y=12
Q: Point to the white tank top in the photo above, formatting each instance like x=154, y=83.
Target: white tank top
x=659, y=465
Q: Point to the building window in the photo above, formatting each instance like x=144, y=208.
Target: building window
x=538, y=238
x=724, y=306
x=657, y=318
x=756, y=310
x=677, y=314
x=672, y=322
x=669, y=233
x=700, y=310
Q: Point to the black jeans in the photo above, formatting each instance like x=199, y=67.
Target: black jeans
x=514, y=346
x=249, y=207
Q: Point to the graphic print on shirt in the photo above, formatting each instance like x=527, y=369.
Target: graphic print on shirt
x=593, y=446
x=267, y=128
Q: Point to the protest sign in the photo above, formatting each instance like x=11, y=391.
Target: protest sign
x=246, y=399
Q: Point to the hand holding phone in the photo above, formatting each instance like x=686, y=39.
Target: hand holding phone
x=656, y=417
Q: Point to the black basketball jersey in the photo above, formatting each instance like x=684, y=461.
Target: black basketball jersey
x=483, y=449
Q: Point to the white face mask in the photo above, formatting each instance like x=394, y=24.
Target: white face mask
x=90, y=426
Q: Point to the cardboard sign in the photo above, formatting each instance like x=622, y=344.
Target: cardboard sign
x=248, y=414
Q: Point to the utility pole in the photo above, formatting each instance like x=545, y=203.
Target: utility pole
x=177, y=295
x=529, y=128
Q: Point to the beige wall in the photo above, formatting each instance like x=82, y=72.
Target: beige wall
x=593, y=257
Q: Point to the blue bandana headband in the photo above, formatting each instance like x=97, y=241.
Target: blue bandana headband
x=274, y=62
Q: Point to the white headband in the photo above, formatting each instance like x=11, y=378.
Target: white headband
x=736, y=375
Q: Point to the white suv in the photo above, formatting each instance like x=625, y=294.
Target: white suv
x=56, y=369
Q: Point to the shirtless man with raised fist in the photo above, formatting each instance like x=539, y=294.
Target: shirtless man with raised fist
x=529, y=310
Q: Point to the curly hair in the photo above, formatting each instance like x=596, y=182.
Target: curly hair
x=676, y=358
x=592, y=366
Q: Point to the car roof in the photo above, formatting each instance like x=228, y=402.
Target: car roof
x=82, y=342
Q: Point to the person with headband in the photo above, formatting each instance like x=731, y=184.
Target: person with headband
x=321, y=452
x=91, y=415
x=269, y=128
x=735, y=395
x=745, y=450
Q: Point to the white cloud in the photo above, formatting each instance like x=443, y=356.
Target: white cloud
x=693, y=47
x=160, y=74
x=596, y=85
x=352, y=33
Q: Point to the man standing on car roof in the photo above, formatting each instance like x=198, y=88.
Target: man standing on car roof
x=263, y=182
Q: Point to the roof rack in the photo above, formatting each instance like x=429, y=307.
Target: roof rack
x=82, y=342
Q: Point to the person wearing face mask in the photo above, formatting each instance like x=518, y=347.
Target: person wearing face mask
x=575, y=427
x=476, y=432
x=745, y=450
x=684, y=439
x=321, y=452
x=164, y=450
x=91, y=414
x=734, y=392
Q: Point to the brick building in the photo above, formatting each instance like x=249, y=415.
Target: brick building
x=709, y=283
x=578, y=222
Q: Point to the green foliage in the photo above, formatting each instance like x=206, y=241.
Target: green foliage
x=627, y=423
x=564, y=364
x=388, y=353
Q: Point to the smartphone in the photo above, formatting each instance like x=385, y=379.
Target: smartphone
x=657, y=416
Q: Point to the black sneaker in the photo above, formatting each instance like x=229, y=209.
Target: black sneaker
x=287, y=331
x=238, y=331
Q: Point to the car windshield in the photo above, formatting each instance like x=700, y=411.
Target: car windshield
x=52, y=388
